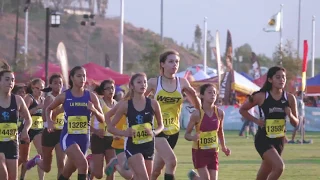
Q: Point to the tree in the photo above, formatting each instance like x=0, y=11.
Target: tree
x=289, y=59
x=244, y=51
x=210, y=44
x=192, y=47
x=198, y=39
x=150, y=60
x=264, y=60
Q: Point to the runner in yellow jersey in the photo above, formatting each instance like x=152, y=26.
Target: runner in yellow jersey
x=51, y=140
x=208, y=123
x=101, y=139
x=120, y=162
x=11, y=106
x=168, y=91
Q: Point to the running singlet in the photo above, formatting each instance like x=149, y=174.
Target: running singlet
x=98, y=125
x=170, y=103
x=207, y=129
x=77, y=115
x=59, y=120
x=9, y=121
x=274, y=115
x=139, y=121
x=121, y=125
x=37, y=121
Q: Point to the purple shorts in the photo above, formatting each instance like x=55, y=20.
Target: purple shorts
x=66, y=140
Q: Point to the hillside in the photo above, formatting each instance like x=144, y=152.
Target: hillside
x=103, y=39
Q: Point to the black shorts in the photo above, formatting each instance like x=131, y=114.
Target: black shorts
x=147, y=153
x=172, y=139
x=100, y=145
x=9, y=149
x=50, y=139
x=264, y=143
x=32, y=133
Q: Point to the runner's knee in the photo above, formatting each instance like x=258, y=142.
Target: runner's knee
x=171, y=162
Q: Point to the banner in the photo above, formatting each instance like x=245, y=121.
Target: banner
x=228, y=55
x=304, y=65
x=232, y=118
x=225, y=92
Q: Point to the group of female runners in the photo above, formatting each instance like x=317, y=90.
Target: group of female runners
x=137, y=135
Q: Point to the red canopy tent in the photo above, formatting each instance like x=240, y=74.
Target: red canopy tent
x=38, y=71
x=98, y=73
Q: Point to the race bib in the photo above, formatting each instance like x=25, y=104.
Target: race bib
x=8, y=131
x=59, y=122
x=168, y=121
x=275, y=128
x=208, y=140
x=104, y=127
x=77, y=125
x=141, y=136
x=37, y=122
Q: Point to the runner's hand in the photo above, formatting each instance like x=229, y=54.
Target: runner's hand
x=149, y=131
x=25, y=137
x=196, y=137
x=90, y=106
x=130, y=132
x=260, y=122
x=288, y=111
x=99, y=132
x=50, y=127
x=226, y=151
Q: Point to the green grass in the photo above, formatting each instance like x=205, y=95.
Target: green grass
x=302, y=161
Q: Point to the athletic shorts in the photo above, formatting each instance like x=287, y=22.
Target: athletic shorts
x=100, y=145
x=146, y=149
x=172, y=139
x=9, y=149
x=66, y=140
x=32, y=133
x=50, y=139
x=205, y=158
x=264, y=143
x=118, y=151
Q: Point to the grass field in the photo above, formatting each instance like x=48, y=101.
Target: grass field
x=302, y=161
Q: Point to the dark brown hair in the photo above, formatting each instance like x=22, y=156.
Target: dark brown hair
x=72, y=73
x=164, y=55
x=267, y=86
x=204, y=87
x=99, y=89
x=52, y=77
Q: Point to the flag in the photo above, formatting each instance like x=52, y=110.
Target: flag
x=274, y=24
x=304, y=65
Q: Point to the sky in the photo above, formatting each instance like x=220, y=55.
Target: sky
x=244, y=18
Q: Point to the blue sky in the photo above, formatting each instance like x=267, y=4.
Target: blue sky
x=244, y=18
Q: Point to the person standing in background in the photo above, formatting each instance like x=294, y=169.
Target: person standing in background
x=248, y=126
